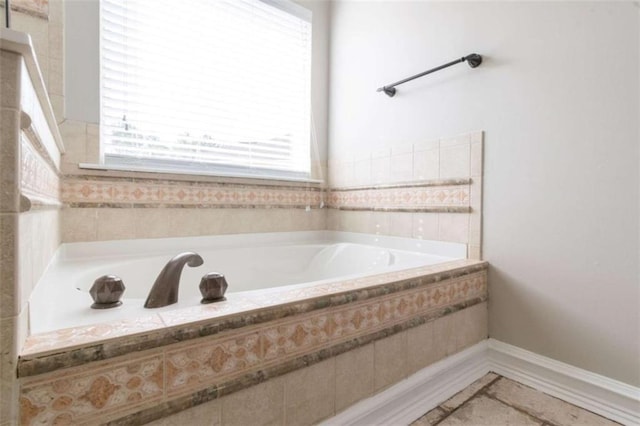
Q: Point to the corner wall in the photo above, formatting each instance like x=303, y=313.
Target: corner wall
x=557, y=97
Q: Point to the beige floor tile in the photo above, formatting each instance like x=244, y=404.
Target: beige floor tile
x=544, y=406
x=483, y=411
x=431, y=418
x=468, y=392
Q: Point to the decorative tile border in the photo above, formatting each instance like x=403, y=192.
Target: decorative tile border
x=229, y=361
x=58, y=349
x=77, y=397
x=416, y=197
x=39, y=182
x=94, y=191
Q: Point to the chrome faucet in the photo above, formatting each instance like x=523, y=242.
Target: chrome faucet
x=165, y=290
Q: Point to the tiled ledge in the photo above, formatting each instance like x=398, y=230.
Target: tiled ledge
x=199, y=362
x=61, y=349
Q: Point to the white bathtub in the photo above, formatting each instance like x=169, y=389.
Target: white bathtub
x=250, y=262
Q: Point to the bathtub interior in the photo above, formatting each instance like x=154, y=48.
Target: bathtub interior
x=252, y=264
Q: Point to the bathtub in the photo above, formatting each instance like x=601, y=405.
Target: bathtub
x=253, y=264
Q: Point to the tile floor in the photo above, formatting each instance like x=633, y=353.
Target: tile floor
x=494, y=400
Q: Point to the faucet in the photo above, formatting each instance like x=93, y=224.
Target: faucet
x=165, y=290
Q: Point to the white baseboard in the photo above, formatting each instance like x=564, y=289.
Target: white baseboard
x=610, y=398
x=429, y=387
x=420, y=392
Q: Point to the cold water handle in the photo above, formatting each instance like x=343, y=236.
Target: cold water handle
x=165, y=289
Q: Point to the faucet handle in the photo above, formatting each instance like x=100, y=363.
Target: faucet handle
x=213, y=286
x=106, y=292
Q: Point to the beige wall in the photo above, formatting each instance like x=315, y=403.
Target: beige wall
x=557, y=97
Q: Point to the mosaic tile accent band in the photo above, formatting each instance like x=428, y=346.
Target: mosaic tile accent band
x=93, y=192
x=104, y=389
x=38, y=180
x=417, y=197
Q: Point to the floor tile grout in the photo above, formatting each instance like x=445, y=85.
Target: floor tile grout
x=448, y=413
x=440, y=413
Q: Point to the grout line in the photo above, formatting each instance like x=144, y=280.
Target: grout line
x=478, y=392
x=521, y=410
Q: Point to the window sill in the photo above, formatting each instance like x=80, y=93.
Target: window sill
x=264, y=179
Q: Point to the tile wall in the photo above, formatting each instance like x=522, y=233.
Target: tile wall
x=29, y=213
x=430, y=190
x=310, y=360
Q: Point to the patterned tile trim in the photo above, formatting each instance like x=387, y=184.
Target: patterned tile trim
x=436, y=209
x=217, y=365
x=409, y=198
x=49, y=352
x=154, y=193
x=38, y=180
x=232, y=385
x=77, y=397
x=416, y=184
x=31, y=134
x=200, y=365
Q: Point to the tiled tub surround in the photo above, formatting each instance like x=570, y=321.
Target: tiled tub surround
x=137, y=371
x=250, y=262
x=98, y=208
x=430, y=190
x=30, y=150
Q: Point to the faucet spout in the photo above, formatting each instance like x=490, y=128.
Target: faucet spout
x=165, y=290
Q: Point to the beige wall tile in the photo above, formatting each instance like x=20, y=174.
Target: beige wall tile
x=454, y=161
x=309, y=393
x=401, y=168
x=421, y=347
x=380, y=167
x=400, y=224
x=476, y=161
x=56, y=12
x=472, y=325
x=425, y=226
x=55, y=84
x=119, y=224
x=9, y=289
x=262, y=404
x=10, y=63
x=362, y=172
x=79, y=224
x=453, y=227
x=74, y=137
x=474, y=252
x=57, y=103
x=426, y=164
x=9, y=160
x=13, y=332
x=184, y=222
x=56, y=41
x=354, y=376
x=144, y=223
x=390, y=360
x=207, y=414
x=445, y=337
x=93, y=144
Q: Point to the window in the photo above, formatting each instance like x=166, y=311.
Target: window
x=213, y=86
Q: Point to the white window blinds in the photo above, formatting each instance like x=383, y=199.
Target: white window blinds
x=219, y=86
